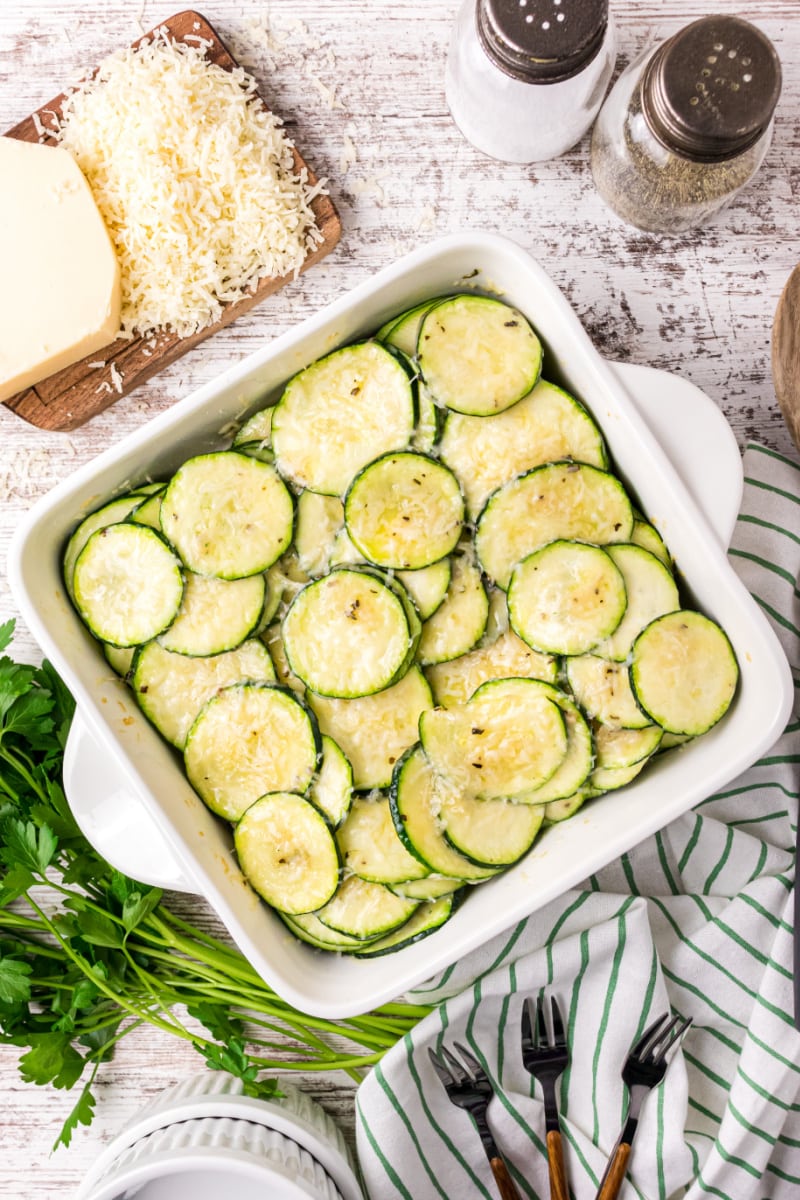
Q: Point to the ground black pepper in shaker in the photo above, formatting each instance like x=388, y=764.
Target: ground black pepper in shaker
x=687, y=125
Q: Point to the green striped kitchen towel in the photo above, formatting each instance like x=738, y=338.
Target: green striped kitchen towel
x=697, y=919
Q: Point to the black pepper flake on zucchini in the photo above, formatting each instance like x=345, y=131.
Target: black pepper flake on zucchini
x=478, y=356
x=227, y=514
x=250, y=739
x=684, y=672
x=340, y=413
x=404, y=511
x=128, y=585
x=351, y=633
x=288, y=853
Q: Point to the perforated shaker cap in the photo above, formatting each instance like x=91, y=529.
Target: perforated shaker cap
x=542, y=41
x=710, y=91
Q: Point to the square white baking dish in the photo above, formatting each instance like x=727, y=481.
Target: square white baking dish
x=324, y=984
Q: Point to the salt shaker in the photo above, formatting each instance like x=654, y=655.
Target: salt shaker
x=687, y=125
x=525, y=78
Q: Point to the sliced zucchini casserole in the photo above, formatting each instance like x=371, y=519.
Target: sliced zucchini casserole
x=409, y=618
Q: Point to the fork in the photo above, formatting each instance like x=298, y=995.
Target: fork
x=468, y=1087
x=545, y=1060
x=644, y=1068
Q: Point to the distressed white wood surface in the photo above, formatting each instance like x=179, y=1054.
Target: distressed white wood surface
x=372, y=70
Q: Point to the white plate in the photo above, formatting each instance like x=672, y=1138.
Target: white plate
x=116, y=819
x=330, y=985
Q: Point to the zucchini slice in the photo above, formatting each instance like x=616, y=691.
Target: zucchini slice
x=148, y=513
x=319, y=519
x=647, y=536
x=459, y=622
x=272, y=638
x=508, y=657
x=608, y=779
x=351, y=633
x=416, y=799
x=257, y=428
x=251, y=738
x=617, y=748
x=287, y=852
x=603, y=691
x=491, y=833
x=404, y=511
x=110, y=514
x=578, y=761
x=216, y=614
x=120, y=659
x=562, y=810
x=171, y=689
x=508, y=739
x=570, y=501
x=566, y=597
x=365, y=910
x=426, y=434
x=427, y=919
x=340, y=413
x=478, y=356
x=546, y=425
x=403, y=332
x=370, y=847
x=128, y=584
x=684, y=672
x=431, y=887
x=332, y=789
x=651, y=592
x=374, y=731
x=428, y=586
x=308, y=928
x=227, y=514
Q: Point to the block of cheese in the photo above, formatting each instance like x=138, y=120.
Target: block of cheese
x=61, y=280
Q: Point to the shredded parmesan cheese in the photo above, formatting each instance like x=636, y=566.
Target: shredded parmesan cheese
x=116, y=377
x=195, y=180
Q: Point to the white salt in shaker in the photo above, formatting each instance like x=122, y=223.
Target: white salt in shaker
x=525, y=78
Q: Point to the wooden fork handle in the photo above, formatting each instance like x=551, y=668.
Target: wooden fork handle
x=615, y=1173
x=505, y=1184
x=558, y=1170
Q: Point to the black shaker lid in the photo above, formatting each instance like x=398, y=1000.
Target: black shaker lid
x=542, y=41
x=710, y=91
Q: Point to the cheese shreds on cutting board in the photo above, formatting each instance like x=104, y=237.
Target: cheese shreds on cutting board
x=195, y=180
x=61, y=295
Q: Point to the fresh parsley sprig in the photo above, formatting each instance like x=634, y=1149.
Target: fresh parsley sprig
x=87, y=955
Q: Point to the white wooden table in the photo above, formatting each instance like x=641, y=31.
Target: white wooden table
x=372, y=71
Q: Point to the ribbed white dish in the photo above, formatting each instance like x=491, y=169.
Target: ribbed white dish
x=203, y=1135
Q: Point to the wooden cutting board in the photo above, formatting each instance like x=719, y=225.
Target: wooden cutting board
x=70, y=397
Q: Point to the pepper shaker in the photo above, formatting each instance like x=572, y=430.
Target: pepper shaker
x=525, y=78
x=687, y=125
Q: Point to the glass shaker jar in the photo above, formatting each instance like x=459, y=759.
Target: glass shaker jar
x=687, y=125
x=525, y=78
